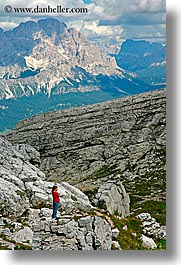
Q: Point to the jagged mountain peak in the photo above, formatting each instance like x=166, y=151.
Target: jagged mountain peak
x=47, y=58
x=24, y=29
x=51, y=25
x=48, y=25
x=139, y=54
x=1, y=33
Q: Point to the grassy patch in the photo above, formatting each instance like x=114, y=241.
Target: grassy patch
x=157, y=209
x=20, y=246
x=162, y=244
x=20, y=193
x=130, y=233
x=106, y=170
x=23, y=220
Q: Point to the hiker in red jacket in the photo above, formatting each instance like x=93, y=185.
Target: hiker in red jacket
x=56, y=201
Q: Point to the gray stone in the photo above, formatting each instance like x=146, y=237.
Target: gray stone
x=148, y=242
x=24, y=235
x=115, y=232
x=82, y=245
x=103, y=234
x=39, y=200
x=45, y=212
x=112, y=197
x=88, y=234
x=86, y=222
x=116, y=245
x=123, y=135
x=29, y=153
x=76, y=192
x=151, y=227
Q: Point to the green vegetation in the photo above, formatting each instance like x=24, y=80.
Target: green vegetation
x=143, y=198
x=153, y=75
x=106, y=170
x=23, y=220
x=162, y=244
x=21, y=193
x=130, y=233
x=148, y=194
x=157, y=209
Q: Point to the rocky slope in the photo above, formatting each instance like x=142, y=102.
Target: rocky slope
x=25, y=210
x=123, y=139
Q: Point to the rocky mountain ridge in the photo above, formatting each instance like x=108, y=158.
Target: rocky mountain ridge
x=46, y=66
x=47, y=57
x=140, y=54
x=147, y=60
x=123, y=139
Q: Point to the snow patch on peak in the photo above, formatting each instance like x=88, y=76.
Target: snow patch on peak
x=34, y=63
x=158, y=64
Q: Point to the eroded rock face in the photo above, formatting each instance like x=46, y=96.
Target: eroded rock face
x=15, y=174
x=81, y=145
x=84, y=145
x=112, y=197
x=69, y=232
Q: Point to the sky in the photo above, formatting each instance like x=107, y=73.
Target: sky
x=114, y=20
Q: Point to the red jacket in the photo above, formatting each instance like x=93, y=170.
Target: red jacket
x=56, y=196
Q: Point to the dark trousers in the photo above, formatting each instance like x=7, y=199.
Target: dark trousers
x=55, y=209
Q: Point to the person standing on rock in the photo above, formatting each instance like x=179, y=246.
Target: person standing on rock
x=56, y=200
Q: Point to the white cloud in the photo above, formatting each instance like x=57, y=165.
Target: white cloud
x=148, y=5
x=105, y=18
x=103, y=30
x=7, y=25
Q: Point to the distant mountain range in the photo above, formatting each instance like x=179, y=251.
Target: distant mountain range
x=46, y=59
x=146, y=59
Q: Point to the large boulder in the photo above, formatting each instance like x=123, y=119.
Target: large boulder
x=73, y=199
x=24, y=235
x=148, y=242
x=113, y=197
x=26, y=198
